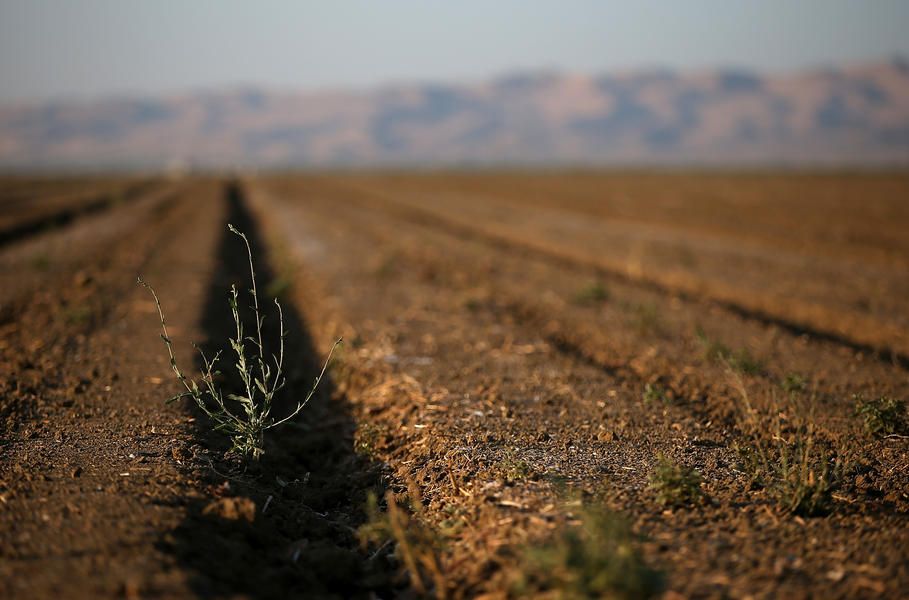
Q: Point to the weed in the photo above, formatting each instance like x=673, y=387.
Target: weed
x=740, y=361
x=593, y=293
x=881, y=417
x=797, y=472
x=792, y=464
x=675, y=485
x=597, y=559
x=246, y=423
x=794, y=383
x=655, y=393
x=515, y=469
x=807, y=477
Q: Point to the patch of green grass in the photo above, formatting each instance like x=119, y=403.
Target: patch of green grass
x=675, y=485
x=599, y=558
x=883, y=416
x=739, y=360
x=593, y=293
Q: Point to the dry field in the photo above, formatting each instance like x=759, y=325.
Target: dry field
x=558, y=385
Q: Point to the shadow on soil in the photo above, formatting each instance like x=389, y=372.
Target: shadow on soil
x=305, y=543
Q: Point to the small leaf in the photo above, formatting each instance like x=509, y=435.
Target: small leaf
x=177, y=397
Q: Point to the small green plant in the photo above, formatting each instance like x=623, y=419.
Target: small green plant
x=593, y=293
x=794, y=383
x=883, y=416
x=784, y=456
x=597, y=559
x=675, y=485
x=515, y=470
x=805, y=478
x=740, y=361
x=246, y=416
x=655, y=393
x=800, y=475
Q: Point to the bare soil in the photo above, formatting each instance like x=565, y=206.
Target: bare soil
x=520, y=350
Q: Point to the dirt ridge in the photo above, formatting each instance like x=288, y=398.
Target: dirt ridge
x=429, y=218
x=67, y=216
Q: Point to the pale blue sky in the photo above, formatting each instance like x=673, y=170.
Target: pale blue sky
x=53, y=49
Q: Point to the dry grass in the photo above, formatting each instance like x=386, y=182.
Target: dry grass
x=784, y=454
x=416, y=547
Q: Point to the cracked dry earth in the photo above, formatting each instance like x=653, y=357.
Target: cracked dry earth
x=522, y=354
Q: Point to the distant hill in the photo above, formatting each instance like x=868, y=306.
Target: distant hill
x=851, y=115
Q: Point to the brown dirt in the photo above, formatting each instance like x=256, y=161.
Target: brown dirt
x=500, y=332
x=30, y=209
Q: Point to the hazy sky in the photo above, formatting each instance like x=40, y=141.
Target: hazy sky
x=64, y=48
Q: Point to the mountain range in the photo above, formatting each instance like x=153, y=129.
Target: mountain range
x=854, y=115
